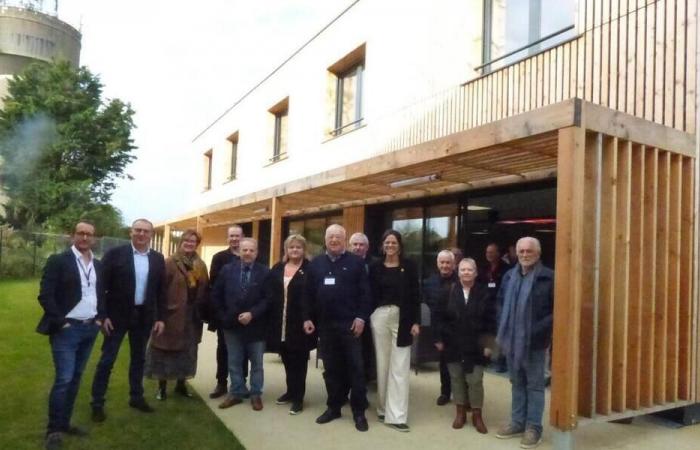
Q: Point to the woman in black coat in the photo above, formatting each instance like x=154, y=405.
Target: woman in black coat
x=466, y=323
x=286, y=335
x=395, y=321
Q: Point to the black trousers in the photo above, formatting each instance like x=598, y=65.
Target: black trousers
x=296, y=364
x=222, y=359
x=342, y=360
x=445, y=382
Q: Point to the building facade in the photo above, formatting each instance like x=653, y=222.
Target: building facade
x=478, y=121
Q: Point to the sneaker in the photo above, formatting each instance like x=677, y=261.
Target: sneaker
x=381, y=418
x=509, y=431
x=399, y=427
x=53, y=441
x=531, y=439
x=296, y=408
x=161, y=395
x=283, y=399
x=181, y=389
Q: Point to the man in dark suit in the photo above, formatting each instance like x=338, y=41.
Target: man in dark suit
x=134, y=290
x=337, y=297
x=241, y=302
x=69, y=293
x=359, y=245
x=234, y=234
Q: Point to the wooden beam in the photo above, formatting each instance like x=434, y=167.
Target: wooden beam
x=568, y=277
x=276, y=237
x=354, y=219
x=166, y=240
x=255, y=233
x=662, y=275
x=674, y=277
x=685, y=328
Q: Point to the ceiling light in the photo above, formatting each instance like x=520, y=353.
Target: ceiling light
x=478, y=208
x=413, y=181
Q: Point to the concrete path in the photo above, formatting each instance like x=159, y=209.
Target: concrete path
x=274, y=428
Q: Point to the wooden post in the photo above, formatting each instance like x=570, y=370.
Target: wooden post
x=166, y=241
x=276, y=231
x=568, y=277
x=255, y=234
x=200, y=224
x=354, y=219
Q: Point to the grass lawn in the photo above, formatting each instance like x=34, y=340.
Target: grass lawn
x=26, y=376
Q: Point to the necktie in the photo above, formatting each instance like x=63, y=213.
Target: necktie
x=245, y=279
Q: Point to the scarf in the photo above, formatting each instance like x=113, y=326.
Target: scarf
x=189, y=266
x=515, y=326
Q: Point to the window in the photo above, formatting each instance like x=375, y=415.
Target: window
x=348, y=75
x=233, y=141
x=207, y=170
x=281, y=115
x=515, y=29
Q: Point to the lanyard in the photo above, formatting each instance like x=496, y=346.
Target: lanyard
x=85, y=273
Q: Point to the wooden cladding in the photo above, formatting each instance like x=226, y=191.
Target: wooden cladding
x=623, y=309
x=633, y=56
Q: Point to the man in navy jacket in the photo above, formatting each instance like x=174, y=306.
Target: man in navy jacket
x=70, y=293
x=337, y=297
x=134, y=289
x=240, y=300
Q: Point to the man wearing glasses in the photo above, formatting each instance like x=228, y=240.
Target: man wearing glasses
x=134, y=292
x=69, y=295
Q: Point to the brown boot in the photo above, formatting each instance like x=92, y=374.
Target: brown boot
x=460, y=417
x=478, y=421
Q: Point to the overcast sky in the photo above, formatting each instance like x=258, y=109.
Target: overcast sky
x=180, y=65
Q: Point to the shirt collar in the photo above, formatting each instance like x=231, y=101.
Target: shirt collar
x=136, y=252
x=78, y=254
x=333, y=257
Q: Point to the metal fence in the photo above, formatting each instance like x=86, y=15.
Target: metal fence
x=23, y=254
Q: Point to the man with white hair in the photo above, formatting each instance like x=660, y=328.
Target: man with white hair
x=435, y=290
x=337, y=298
x=524, y=334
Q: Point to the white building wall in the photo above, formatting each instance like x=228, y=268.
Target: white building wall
x=414, y=51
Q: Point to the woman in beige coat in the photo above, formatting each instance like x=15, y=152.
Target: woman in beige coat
x=172, y=355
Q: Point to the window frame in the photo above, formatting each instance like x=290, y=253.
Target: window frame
x=280, y=111
x=233, y=163
x=358, y=70
x=208, y=169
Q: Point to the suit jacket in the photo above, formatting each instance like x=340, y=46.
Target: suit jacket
x=61, y=290
x=229, y=300
x=120, y=284
x=218, y=262
x=295, y=337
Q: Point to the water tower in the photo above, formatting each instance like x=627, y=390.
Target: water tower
x=31, y=31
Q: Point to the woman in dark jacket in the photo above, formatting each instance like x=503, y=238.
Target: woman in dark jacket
x=395, y=321
x=286, y=327
x=466, y=328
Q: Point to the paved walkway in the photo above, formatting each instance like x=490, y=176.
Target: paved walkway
x=274, y=428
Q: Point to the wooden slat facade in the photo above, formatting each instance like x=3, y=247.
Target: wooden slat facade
x=623, y=284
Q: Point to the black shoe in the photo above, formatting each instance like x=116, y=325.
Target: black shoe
x=98, y=414
x=283, y=399
x=327, y=416
x=381, y=418
x=219, y=390
x=75, y=431
x=361, y=423
x=399, y=427
x=181, y=389
x=53, y=441
x=443, y=400
x=141, y=405
x=296, y=408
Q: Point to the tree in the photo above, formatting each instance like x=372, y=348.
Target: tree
x=62, y=146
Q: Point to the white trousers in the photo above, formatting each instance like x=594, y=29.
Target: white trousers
x=393, y=365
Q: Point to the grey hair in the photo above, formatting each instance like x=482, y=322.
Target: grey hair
x=335, y=226
x=447, y=253
x=534, y=241
x=359, y=237
x=250, y=239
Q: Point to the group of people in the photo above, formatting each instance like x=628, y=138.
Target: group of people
x=329, y=302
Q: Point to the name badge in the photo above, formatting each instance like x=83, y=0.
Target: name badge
x=329, y=281
x=492, y=285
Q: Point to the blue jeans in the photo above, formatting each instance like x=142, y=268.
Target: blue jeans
x=138, y=338
x=70, y=348
x=237, y=348
x=528, y=392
